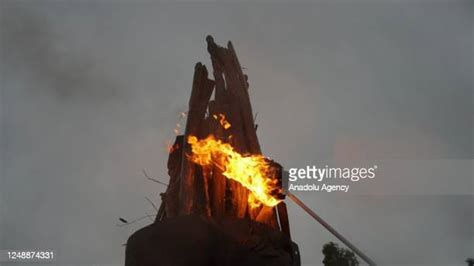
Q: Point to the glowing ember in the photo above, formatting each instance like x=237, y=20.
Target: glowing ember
x=252, y=171
x=224, y=123
x=171, y=148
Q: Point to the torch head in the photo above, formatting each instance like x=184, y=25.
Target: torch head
x=276, y=173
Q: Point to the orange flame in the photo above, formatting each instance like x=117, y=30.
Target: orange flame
x=251, y=171
x=224, y=123
x=170, y=148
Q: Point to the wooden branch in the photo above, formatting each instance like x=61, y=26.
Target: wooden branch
x=153, y=179
x=134, y=221
x=149, y=216
x=152, y=204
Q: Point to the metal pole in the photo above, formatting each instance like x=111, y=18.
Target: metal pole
x=330, y=228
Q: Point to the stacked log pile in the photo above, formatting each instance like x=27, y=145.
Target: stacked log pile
x=198, y=191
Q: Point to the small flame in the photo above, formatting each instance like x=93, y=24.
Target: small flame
x=222, y=120
x=169, y=146
x=172, y=148
x=251, y=171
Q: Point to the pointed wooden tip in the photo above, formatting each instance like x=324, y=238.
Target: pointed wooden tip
x=211, y=45
x=200, y=66
x=209, y=39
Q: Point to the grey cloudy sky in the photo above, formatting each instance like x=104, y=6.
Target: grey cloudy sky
x=91, y=93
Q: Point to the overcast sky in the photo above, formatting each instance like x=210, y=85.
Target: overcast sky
x=91, y=93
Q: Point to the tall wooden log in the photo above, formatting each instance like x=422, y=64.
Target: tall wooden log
x=249, y=125
x=244, y=99
x=218, y=106
x=201, y=92
x=245, y=139
x=218, y=180
x=220, y=58
x=170, y=197
x=205, y=172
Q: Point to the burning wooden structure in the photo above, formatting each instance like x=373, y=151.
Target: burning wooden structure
x=223, y=205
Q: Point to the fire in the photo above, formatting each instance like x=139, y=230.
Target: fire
x=224, y=123
x=251, y=171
